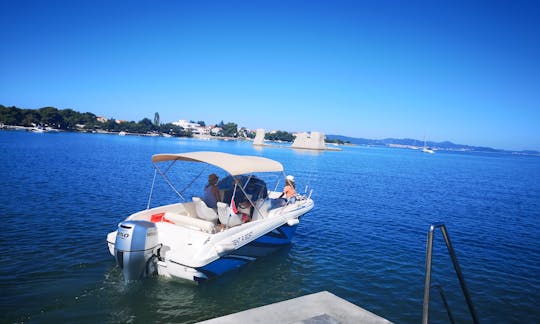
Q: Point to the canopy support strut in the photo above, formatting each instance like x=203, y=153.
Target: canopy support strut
x=169, y=181
x=151, y=190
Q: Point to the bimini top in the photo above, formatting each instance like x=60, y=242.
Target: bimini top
x=233, y=164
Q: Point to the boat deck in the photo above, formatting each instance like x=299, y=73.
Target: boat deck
x=319, y=308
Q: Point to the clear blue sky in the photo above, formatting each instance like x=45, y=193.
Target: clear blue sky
x=463, y=71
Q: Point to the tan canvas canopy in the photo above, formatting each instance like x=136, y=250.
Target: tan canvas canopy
x=233, y=164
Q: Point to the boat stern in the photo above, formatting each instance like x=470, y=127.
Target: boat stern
x=135, y=248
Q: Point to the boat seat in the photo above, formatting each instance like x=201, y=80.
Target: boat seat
x=190, y=222
x=204, y=212
x=224, y=211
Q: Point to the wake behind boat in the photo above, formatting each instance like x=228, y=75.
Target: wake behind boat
x=191, y=241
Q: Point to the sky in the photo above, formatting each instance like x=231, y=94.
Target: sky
x=461, y=71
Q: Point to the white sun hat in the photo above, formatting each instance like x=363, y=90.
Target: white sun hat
x=290, y=178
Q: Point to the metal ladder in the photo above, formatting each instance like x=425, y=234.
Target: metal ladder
x=427, y=284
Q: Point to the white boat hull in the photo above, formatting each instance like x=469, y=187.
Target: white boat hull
x=189, y=253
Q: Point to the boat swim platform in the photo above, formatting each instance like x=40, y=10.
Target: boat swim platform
x=318, y=308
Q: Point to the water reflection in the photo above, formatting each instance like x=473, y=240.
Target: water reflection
x=176, y=300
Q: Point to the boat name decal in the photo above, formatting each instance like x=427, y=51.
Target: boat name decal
x=242, y=239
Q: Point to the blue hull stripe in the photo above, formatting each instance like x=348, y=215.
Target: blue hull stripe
x=260, y=247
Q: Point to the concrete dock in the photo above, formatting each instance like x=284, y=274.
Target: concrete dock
x=319, y=308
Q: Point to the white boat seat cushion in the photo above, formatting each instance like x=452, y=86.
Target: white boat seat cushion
x=190, y=222
x=224, y=212
x=204, y=212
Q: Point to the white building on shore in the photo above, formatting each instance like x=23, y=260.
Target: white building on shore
x=193, y=127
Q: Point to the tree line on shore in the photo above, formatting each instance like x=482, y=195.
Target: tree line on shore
x=71, y=120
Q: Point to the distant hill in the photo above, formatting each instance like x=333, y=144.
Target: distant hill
x=411, y=143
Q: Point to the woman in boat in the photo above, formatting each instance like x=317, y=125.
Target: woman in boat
x=289, y=191
x=211, y=192
x=287, y=196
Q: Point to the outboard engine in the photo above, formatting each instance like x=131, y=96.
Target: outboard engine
x=135, y=249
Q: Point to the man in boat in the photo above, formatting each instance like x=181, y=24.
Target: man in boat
x=211, y=192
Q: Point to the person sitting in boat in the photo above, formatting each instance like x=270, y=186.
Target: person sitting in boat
x=288, y=195
x=245, y=209
x=289, y=191
x=211, y=192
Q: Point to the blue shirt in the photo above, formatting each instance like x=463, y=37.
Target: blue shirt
x=209, y=197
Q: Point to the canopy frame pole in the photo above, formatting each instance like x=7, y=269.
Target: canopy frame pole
x=247, y=181
x=278, y=180
x=242, y=189
x=246, y=195
x=234, y=194
x=169, y=167
x=164, y=176
x=151, y=189
x=194, y=179
x=230, y=205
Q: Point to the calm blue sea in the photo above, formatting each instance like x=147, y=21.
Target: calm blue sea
x=364, y=241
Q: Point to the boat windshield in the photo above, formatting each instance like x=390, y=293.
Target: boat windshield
x=252, y=186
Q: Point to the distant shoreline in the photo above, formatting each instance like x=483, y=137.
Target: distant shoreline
x=415, y=144
x=465, y=149
x=54, y=130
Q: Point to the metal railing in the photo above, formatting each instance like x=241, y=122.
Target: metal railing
x=427, y=283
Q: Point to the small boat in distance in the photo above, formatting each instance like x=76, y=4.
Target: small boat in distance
x=38, y=129
x=184, y=240
x=427, y=149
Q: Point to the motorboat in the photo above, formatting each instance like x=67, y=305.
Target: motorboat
x=192, y=241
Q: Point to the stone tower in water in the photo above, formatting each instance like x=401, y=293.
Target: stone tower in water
x=313, y=141
x=259, y=137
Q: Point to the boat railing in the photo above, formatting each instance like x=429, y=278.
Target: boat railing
x=427, y=283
